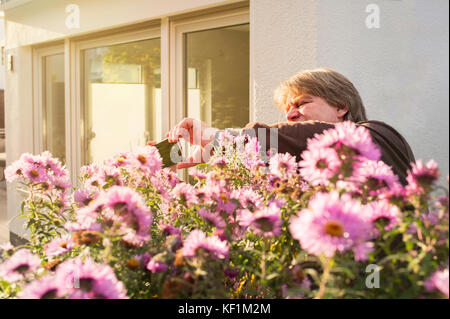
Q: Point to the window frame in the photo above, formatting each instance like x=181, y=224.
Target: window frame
x=178, y=29
x=177, y=58
x=38, y=54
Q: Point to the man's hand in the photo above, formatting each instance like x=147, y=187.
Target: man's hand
x=199, y=155
x=194, y=131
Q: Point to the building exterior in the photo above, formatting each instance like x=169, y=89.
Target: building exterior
x=88, y=77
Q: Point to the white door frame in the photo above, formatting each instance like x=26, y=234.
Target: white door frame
x=178, y=29
x=38, y=79
x=177, y=57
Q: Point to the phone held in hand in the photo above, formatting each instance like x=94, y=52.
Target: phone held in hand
x=170, y=152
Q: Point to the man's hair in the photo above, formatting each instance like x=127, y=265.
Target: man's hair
x=328, y=84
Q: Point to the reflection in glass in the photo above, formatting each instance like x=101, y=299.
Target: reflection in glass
x=122, y=94
x=217, y=76
x=53, y=109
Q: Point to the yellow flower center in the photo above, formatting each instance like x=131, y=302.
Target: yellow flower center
x=141, y=158
x=132, y=263
x=334, y=228
x=34, y=173
x=223, y=197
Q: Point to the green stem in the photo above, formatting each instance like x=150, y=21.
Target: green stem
x=263, y=261
x=325, y=277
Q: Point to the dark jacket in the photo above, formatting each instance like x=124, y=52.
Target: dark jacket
x=292, y=138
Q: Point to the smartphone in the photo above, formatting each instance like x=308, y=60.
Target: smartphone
x=170, y=152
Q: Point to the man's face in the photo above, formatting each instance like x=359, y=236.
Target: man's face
x=306, y=107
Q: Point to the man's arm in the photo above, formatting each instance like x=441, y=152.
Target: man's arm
x=291, y=137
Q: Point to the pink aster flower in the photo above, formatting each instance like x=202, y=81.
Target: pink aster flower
x=89, y=280
x=395, y=195
x=197, y=173
x=60, y=183
x=283, y=165
x=421, y=176
x=221, y=233
x=168, y=229
x=247, y=198
x=198, y=240
x=438, y=281
x=259, y=168
x=20, y=264
x=44, y=288
x=434, y=217
x=442, y=202
x=36, y=168
x=378, y=176
x=168, y=176
x=124, y=206
x=213, y=217
x=14, y=171
x=89, y=171
x=332, y=223
x=244, y=217
x=35, y=173
x=148, y=159
x=94, y=182
x=225, y=203
x=156, y=266
x=185, y=193
x=7, y=247
x=111, y=176
x=267, y=221
x=319, y=165
x=143, y=259
x=219, y=162
x=252, y=153
x=382, y=209
x=54, y=165
x=347, y=135
x=84, y=196
x=121, y=159
x=59, y=246
x=86, y=218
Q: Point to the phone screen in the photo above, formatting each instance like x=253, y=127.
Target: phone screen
x=166, y=149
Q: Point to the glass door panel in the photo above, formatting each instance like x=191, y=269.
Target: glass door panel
x=53, y=106
x=217, y=76
x=122, y=94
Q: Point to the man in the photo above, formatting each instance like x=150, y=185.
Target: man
x=313, y=101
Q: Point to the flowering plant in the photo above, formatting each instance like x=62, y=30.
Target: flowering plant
x=337, y=224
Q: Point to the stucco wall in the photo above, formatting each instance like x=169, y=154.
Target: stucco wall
x=400, y=69
x=283, y=40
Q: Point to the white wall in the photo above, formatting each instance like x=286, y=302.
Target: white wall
x=283, y=41
x=400, y=69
